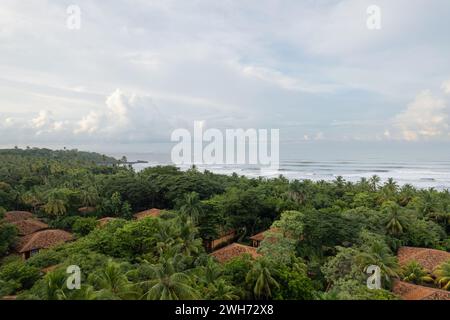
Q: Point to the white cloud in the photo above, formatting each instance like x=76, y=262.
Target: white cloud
x=426, y=117
x=281, y=80
x=446, y=86
x=175, y=56
x=45, y=123
x=124, y=116
x=118, y=108
x=89, y=124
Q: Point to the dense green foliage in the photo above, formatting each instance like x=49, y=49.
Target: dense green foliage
x=327, y=232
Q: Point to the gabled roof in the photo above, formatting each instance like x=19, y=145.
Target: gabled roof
x=105, y=220
x=232, y=251
x=408, y=291
x=148, y=213
x=29, y=226
x=85, y=210
x=429, y=259
x=43, y=239
x=260, y=236
x=13, y=216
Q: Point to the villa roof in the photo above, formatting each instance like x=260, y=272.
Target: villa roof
x=148, y=213
x=429, y=259
x=260, y=236
x=13, y=216
x=85, y=210
x=105, y=220
x=408, y=291
x=29, y=226
x=43, y=239
x=234, y=250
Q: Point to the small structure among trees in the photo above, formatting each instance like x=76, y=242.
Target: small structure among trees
x=29, y=226
x=14, y=216
x=224, y=239
x=429, y=259
x=259, y=237
x=234, y=250
x=148, y=213
x=31, y=244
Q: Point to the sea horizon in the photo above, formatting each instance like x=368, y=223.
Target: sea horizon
x=323, y=161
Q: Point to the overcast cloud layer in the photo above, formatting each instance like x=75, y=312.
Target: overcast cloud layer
x=138, y=69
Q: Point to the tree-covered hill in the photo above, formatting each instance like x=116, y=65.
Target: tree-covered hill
x=327, y=232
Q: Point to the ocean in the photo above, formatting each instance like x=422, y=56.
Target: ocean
x=421, y=165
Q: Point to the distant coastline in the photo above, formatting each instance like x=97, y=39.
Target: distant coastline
x=420, y=174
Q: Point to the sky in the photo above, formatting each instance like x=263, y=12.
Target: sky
x=136, y=70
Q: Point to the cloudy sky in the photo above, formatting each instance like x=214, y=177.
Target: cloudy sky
x=138, y=69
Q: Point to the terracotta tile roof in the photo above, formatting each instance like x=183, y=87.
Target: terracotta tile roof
x=105, y=220
x=43, y=239
x=260, y=236
x=408, y=291
x=232, y=251
x=29, y=226
x=86, y=209
x=148, y=213
x=429, y=259
x=13, y=216
x=227, y=232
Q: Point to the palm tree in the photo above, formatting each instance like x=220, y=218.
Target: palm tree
x=428, y=203
x=380, y=255
x=89, y=197
x=191, y=206
x=339, y=181
x=86, y=292
x=33, y=199
x=391, y=185
x=364, y=184
x=189, y=243
x=167, y=284
x=443, y=275
x=395, y=221
x=297, y=191
x=55, y=207
x=53, y=285
x=221, y=290
x=406, y=194
x=374, y=182
x=260, y=277
x=113, y=282
x=209, y=273
x=415, y=273
x=440, y=217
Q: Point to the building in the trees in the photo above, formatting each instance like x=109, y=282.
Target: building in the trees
x=234, y=250
x=147, y=213
x=223, y=239
x=14, y=216
x=86, y=210
x=429, y=259
x=259, y=237
x=409, y=291
x=104, y=221
x=29, y=226
x=30, y=245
